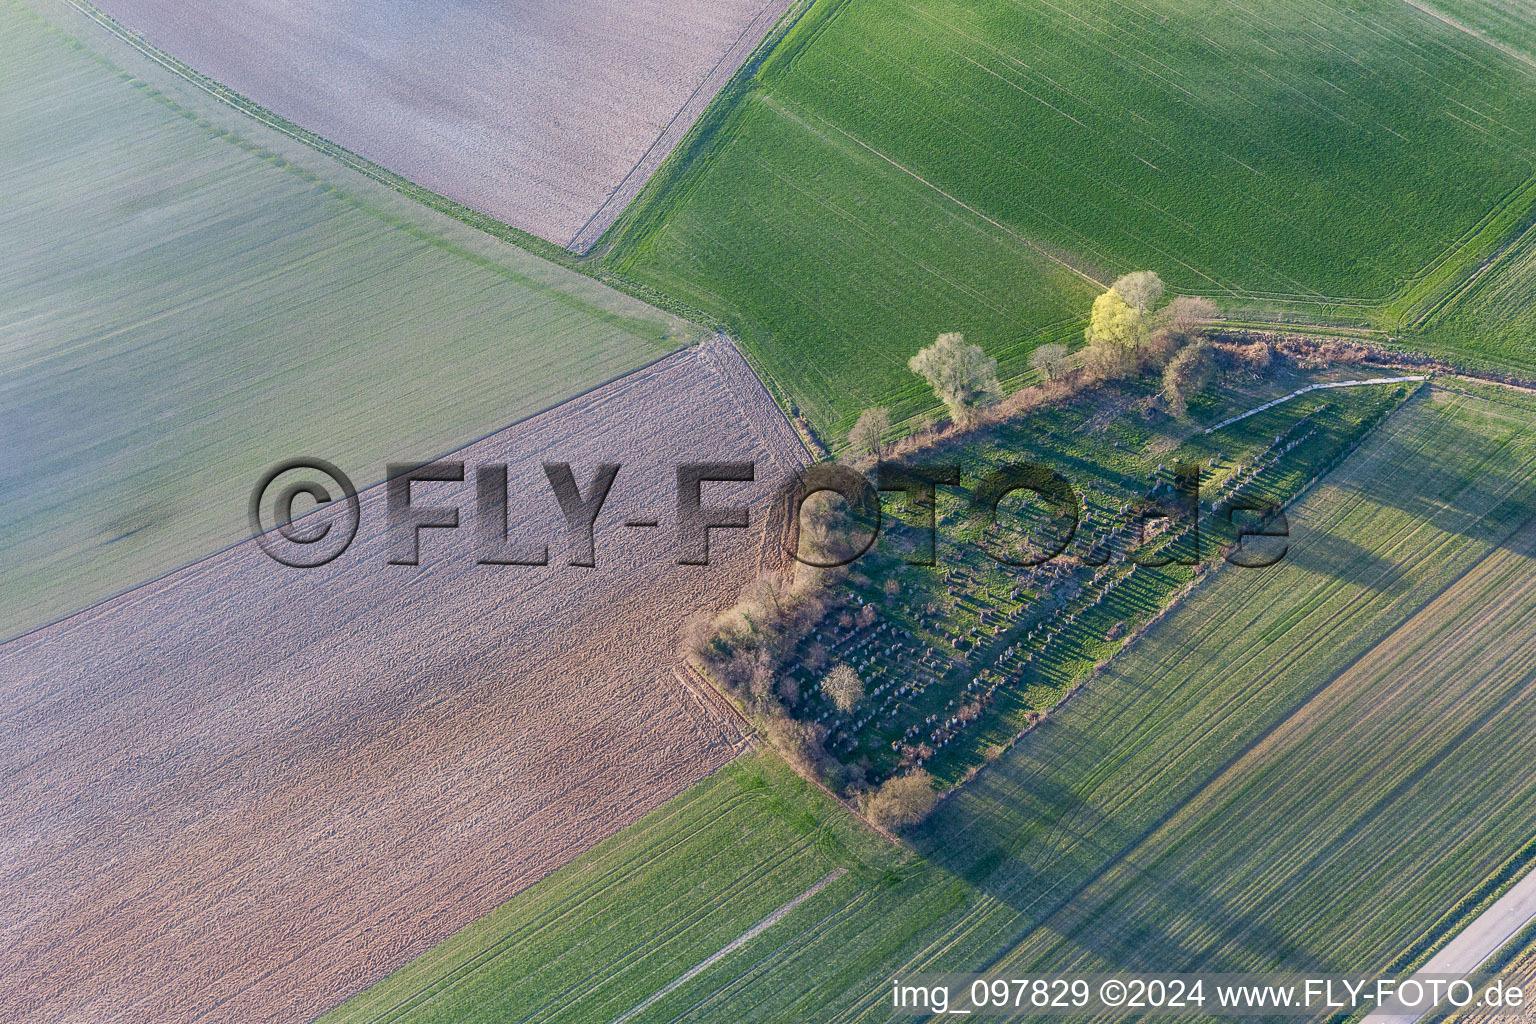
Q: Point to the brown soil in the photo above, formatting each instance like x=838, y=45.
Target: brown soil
x=244, y=792
x=547, y=116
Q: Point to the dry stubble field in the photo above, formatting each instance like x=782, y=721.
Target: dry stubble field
x=534, y=113
x=244, y=792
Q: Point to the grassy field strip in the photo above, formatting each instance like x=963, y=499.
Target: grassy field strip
x=655, y=842
x=1498, y=926
x=768, y=960
x=1508, y=21
x=1134, y=866
x=1231, y=793
x=1255, y=657
x=1340, y=739
x=735, y=944
x=1496, y=305
x=735, y=888
x=1436, y=285
x=1475, y=33
x=1161, y=752
x=1306, y=390
x=963, y=205
x=752, y=888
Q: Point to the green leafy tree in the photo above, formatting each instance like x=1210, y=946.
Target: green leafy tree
x=1115, y=322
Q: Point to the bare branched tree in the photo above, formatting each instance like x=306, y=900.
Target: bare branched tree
x=1140, y=290
x=1188, y=373
x=868, y=435
x=1051, y=360
x=962, y=376
x=843, y=687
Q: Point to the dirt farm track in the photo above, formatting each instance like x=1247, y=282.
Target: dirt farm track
x=243, y=792
x=549, y=117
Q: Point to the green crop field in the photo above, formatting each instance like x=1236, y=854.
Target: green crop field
x=1320, y=765
x=1504, y=23
x=1303, y=766
x=894, y=170
x=1493, y=314
x=202, y=298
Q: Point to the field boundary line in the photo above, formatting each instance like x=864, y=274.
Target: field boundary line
x=1311, y=387
x=1132, y=843
x=1482, y=37
x=672, y=135
x=965, y=206
x=1519, y=900
x=585, y=395
x=718, y=706
x=731, y=947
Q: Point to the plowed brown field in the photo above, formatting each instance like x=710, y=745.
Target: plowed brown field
x=549, y=117
x=243, y=792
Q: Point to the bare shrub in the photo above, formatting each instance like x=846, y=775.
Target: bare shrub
x=1186, y=316
x=902, y=800
x=800, y=742
x=843, y=687
x=1107, y=359
x=789, y=691
x=698, y=636
x=1189, y=372
x=867, y=437
x=1257, y=357
x=1050, y=360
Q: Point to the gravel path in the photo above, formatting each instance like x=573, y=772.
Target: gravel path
x=1475, y=943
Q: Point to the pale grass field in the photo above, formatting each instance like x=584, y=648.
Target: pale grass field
x=188, y=298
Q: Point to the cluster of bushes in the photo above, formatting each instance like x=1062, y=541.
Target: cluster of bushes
x=1129, y=334
x=744, y=648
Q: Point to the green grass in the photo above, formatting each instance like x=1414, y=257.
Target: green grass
x=190, y=298
x=1305, y=767
x=1497, y=308
x=1506, y=23
x=1284, y=773
x=895, y=170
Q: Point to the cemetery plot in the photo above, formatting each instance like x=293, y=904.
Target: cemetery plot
x=957, y=658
